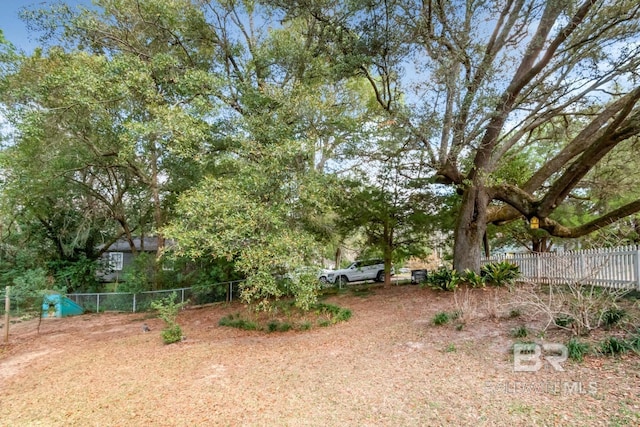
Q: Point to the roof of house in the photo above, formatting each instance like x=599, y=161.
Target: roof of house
x=148, y=244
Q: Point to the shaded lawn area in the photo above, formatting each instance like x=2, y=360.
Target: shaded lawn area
x=387, y=365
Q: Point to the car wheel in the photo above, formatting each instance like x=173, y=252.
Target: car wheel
x=380, y=276
x=323, y=280
x=342, y=280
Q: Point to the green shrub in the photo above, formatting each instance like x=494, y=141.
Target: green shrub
x=27, y=289
x=564, y=321
x=338, y=314
x=276, y=326
x=577, y=349
x=284, y=327
x=168, y=310
x=634, y=341
x=441, y=318
x=443, y=279
x=500, y=273
x=305, y=326
x=139, y=275
x=474, y=279
x=272, y=326
x=612, y=316
x=172, y=334
x=76, y=276
x=520, y=332
x=612, y=346
x=238, y=322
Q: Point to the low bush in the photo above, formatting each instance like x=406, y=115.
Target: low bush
x=441, y=318
x=171, y=334
x=338, y=314
x=612, y=316
x=520, y=332
x=577, y=349
x=500, y=273
x=443, y=279
x=612, y=346
x=634, y=342
x=276, y=326
x=235, y=321
x=168, y=310
x=563, y=321
x=326, y=314
x=474, y=279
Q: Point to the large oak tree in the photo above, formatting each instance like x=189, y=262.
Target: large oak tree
x=476, y=82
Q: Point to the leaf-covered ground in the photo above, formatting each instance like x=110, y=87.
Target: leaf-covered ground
x=388, y=365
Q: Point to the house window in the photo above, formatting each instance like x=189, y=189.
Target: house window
x=115, y=261
x=167, y=265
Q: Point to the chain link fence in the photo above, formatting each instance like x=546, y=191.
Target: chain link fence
x=133, y=302
x=18, y=305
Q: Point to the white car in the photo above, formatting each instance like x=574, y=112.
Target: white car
x=323, y=276
x=371, y=269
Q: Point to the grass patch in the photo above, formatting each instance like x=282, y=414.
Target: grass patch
x=520, y=332
x=235, y=321
x=612, y=346
x=634, y=341
x=441, y=318
x=336, y=314
x=612, y=316
x=285, y=317
x=277, y=326
x=577, y=349
x=305, y=326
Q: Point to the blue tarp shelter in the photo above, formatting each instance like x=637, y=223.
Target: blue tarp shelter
x=56, y=305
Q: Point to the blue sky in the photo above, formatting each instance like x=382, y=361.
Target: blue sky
x=11, y=26
x=14, y=29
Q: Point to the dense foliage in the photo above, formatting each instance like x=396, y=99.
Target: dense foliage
x=265, y=137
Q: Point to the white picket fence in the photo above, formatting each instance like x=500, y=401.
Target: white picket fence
x=615, y=268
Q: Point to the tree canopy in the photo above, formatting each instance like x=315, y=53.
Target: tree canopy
x=255, y=132
x=479, y=82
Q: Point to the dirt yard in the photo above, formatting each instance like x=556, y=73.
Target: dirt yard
x=388, y=365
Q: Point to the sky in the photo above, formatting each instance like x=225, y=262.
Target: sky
x=14, y=29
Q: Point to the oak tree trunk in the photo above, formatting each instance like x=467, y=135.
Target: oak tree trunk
x=470, y=229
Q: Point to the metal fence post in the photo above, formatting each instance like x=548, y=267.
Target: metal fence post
x=97, y=303
x=7, y=309
x=134, y=303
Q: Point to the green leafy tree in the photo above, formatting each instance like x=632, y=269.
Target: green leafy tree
x=477, y=82
x=391, y=210
x=168, y=310
x=253, y=217
x=90, y=160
